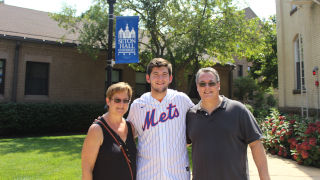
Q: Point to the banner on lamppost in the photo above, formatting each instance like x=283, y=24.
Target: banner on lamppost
x=127, y=39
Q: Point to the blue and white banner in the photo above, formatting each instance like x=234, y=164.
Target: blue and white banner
x=127, y=39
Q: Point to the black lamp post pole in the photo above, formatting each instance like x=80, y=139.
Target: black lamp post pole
x=110, y=39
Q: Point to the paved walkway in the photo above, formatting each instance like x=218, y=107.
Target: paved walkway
x=284, y=169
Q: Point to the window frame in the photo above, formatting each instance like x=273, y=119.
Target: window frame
x=145, y=84
x=28, y=90
x=298, y=59
x=112, y=76
x=3, y=76
x=240, y=70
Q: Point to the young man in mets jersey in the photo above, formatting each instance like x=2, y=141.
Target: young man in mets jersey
x=159, y=120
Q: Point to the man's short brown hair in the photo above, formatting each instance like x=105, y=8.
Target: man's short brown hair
x=159, y=62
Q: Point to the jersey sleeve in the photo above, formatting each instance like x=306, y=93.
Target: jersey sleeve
x=132, y=117
x=188, y=101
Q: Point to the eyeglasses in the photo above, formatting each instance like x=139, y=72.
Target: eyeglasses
x=210, y=84
x=117, y=100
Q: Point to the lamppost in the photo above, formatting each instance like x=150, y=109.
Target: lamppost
x=110, y=39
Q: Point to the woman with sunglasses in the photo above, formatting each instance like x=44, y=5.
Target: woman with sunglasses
x=109, y=150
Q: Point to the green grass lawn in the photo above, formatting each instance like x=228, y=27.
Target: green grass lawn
x=56, y=157
x=49, y=157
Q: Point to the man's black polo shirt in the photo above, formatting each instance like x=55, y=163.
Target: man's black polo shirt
x=220, y=139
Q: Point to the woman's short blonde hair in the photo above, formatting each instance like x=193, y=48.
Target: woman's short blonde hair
x=119, y=87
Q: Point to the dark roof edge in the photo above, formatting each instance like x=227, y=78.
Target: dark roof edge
x=34, y=40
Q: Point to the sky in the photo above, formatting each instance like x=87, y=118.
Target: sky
x=263, y=8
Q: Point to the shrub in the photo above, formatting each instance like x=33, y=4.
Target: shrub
x=292, y=137
x=249, y=107
x=46, y=118
x=244, y=88
x=262, y=100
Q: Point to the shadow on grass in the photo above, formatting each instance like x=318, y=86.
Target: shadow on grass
x=64, y=144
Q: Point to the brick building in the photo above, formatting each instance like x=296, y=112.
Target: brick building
x=35, y=66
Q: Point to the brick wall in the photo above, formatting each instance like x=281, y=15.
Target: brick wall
x=73, y=77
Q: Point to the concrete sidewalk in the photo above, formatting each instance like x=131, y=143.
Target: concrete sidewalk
x=284, y=169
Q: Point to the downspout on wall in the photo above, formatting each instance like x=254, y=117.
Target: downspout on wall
x=15, y=72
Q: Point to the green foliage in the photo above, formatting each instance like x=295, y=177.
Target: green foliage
x=40, y=118
x=46, y=158
x=264, y=64
x=91, y=27
x=190, y=156
x=248, y=106
x=292, y=137
x=263, y=102
x=244, y=88
x=248, y=91
x=182, y=31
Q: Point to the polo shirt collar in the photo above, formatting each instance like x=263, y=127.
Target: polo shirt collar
x=224, y=102
x=223, y=105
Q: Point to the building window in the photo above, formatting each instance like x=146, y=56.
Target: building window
x=37, y=78
x=249, y=68
x=141, y=84
x=2, y=75
x=115, y=77
x=240, y=70
x=299, y=64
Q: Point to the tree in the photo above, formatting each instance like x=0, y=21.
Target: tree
x=188, y=33
x=264, y=64
x=91, y=27
x=184, y=31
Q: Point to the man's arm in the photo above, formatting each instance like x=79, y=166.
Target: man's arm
x=260, y=159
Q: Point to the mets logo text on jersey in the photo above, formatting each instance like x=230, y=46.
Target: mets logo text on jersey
x=149, y=120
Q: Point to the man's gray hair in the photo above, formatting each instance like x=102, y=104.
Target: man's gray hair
x=207, y=70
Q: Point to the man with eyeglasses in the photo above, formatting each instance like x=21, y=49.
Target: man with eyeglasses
x=159, y=120
x=220, y=130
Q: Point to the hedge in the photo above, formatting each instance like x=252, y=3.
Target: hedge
x=46, y=118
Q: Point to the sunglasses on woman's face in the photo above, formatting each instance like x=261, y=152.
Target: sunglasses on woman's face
x=210, y=84
x=117, y=100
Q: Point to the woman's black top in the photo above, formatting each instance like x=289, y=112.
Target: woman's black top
x=111, y=163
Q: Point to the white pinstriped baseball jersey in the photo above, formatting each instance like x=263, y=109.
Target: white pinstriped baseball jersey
x=161, y=128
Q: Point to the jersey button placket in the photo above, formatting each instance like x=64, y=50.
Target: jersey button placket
x=161, y=132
